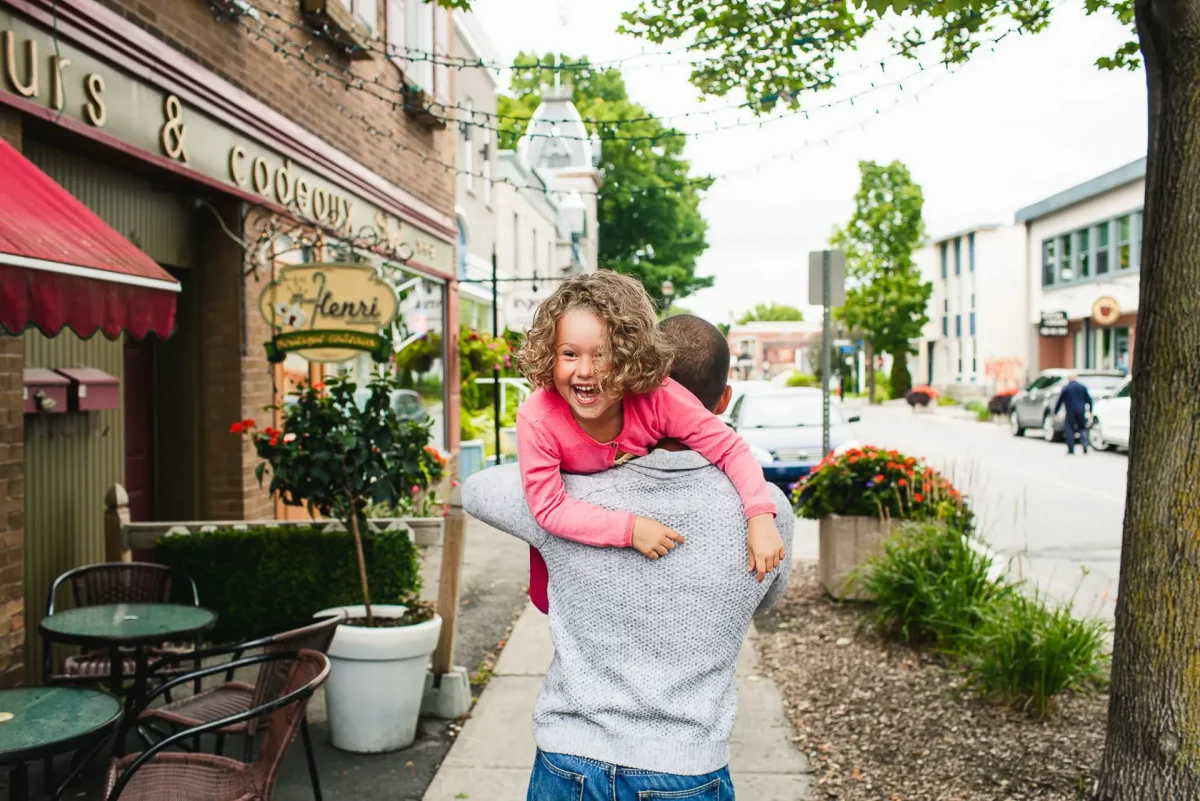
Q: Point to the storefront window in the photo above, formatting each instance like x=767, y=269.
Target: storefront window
x=1083, y=248
x=1048, y=262
x=1066, y=270
x=1102, y=248
x=1124, y=242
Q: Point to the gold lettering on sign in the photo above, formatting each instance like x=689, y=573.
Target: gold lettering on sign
x=94, y=108
x=173, y=130
x=302, y=195
x=30, y=87
x=236, y=155
x=320, y=205
x=262, y=176
x=56, y=94
x=284, y=184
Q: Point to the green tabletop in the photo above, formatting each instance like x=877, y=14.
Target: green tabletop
x=38, y=721
x=127, y=624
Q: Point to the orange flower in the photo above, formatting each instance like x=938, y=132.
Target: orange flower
x=878, y=479
x=918, y=497
x=902, y=483
x=853, y=459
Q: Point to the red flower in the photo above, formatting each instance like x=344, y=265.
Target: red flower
x=918, y=497
x=894, y=454
x=853, y=459
x=319, y=386
x=910, y=461
x=445, y=510
x=236, y=428
x=878, y=479
x=454, y=482
x=247, y=423
x=902, y=482
x=416, y=490
x=275, y=440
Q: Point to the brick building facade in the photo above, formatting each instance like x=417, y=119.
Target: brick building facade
x=225, y=146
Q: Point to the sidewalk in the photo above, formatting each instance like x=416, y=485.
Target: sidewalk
x=493, y=756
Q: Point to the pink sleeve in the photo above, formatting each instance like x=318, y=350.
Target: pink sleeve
x=555, y=511
x=682, y=416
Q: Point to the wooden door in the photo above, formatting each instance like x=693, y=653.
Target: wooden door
x=139, y=427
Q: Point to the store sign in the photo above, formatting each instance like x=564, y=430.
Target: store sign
x=1054, y=324
x=79, y=85
x=1105, y=311
x=329, y=312
x=520, y=307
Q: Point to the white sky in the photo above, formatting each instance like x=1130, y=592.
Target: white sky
x=1010, y=128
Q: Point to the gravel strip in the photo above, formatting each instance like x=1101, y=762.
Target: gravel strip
x=882, y=721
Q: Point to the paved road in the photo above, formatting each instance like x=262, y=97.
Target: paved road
x=1055, y=515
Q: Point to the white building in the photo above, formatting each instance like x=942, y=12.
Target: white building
x=971, y=345
x=1083, y=254
x=762, y=350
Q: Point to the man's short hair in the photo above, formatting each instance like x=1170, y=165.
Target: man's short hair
x=701, y=363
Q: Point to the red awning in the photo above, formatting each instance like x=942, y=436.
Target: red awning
x=61, y=265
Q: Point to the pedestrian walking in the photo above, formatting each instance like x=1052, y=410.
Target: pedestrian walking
x=1078, y=402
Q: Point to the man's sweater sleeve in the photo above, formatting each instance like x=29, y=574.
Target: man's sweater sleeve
x=785, y=521
x=496, y=497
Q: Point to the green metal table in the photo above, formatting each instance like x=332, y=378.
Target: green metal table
x=128, y=626
x=38, y=722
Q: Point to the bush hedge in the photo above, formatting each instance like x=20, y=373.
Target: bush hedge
x=264, y=580
x=803, y=380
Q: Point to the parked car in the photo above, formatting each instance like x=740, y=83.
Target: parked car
x=1033, y=407
x=1110, y=420
x=741, y=388
x=782, y=426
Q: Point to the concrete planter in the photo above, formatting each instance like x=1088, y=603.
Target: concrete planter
x=846, y=544
x=427, y=531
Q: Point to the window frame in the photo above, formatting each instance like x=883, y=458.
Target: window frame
x=1095, y=254
x=971, y=252
x=958, y=255
x=945, y=247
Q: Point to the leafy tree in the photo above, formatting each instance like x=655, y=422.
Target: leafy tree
x=888, y=299
x=649, y=205
x=771, y=312
x=1153, y=748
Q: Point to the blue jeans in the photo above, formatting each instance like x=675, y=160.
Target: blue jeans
x=560, y=777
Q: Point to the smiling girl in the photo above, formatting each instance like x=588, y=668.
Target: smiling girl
x=600, y=365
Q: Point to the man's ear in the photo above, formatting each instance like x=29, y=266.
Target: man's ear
x=723, y=403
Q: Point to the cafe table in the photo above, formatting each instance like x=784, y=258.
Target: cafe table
x=124, y=627
x=39, y=722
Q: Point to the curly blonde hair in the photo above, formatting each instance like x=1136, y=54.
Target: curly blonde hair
x=637, y=357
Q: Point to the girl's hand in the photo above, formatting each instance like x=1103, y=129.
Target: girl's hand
x=652, y=539
x=764, y=546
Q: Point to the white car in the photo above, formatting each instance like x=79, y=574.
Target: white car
x=1110, y=420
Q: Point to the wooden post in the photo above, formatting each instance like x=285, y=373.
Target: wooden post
x=116, y=517
x=453, y=542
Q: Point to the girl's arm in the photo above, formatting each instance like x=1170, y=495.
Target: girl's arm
x=558, y=513
x=681, y=416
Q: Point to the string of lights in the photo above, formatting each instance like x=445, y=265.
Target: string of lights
x=668, y=186
x=289, y=48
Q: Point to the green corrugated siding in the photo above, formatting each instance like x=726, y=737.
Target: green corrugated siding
x=72, y=459
x=70, y=462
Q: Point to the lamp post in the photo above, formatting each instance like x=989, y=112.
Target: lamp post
x=668, y=291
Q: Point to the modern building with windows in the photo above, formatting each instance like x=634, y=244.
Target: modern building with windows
x=970, y=346
x=1083, y=254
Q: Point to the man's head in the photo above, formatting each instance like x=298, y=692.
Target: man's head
x=1072, y=377
x=701, y=364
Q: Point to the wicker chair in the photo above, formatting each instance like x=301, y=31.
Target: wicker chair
x=234, y=697
x=156, y=775
x=108, y=583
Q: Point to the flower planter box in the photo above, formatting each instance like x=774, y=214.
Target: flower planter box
x=427, y=531
x=847, y=543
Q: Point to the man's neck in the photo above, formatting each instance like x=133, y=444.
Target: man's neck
x=673, y=445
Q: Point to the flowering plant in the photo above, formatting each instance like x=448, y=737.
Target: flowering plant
x=872, y=482
x=338, y=458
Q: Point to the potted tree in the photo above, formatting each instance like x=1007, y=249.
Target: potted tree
x=338, y=458
x=858, y=496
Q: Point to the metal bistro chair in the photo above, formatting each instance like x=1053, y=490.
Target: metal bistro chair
x=108, y=583
x=235, y=697
x=159, y=775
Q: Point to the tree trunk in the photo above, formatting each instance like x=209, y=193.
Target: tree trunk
x=901, y=377
x=870, y=360
x=1153, y=746
x=362, y=568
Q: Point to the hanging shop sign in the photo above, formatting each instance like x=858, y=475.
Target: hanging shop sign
x=1054, y=324
x=329, y=312
x=1105, y=311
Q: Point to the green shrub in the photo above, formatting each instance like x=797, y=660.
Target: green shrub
x=1025, y=653
x=983, y=415
x=945, y=401
x=265, y=580
x=900, y=381
x=803, y=380
x=931, y=586
x=883, y=386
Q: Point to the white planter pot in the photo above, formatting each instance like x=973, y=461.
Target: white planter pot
x=427, y=531
x=376, y=681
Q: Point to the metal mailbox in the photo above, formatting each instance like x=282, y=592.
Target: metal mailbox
x=91, y=390
x=45, y=391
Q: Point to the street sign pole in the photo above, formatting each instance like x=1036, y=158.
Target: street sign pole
x=826, y=344
x=496, y=391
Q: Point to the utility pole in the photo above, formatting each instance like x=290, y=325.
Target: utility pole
x=496, y=367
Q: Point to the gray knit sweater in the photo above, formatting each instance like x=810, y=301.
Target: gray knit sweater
x=644, y=651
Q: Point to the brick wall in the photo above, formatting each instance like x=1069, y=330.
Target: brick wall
x=12, y=483
x=231, y=50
